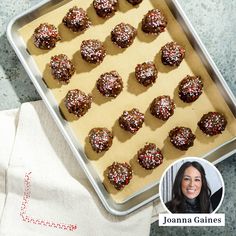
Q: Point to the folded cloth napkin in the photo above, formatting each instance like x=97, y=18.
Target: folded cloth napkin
x=43, y=190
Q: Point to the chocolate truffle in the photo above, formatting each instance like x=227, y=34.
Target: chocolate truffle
x=123, y=35
x=77, y=102
x=212, y=123
x=62, y=68
x=131, y=120
x=172, y=54
x=190, y=88
x=162, y=107
x=149, y=157
x=45, y=36
x=105, y=8
x=134, y=2
x=182, y=138
x=154, y=22
x=92, y=51
x=76, y=19
x=100, y=139
x=119, y=174
x=146, y=73
x=110, y=84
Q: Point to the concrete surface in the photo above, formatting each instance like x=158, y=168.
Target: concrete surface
x=214, y=21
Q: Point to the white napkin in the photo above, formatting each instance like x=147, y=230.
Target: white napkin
x=43, y=190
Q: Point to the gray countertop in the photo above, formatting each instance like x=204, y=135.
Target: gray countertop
x=214, y=21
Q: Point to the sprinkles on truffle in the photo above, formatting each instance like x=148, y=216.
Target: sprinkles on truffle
x=182, y=137
x=119, y=174
x=110, y=84
x=105, y=8
x=146, y=73
x=123, y=35
x=149, y=157
x=212, y=123
x=172, y=54
x=77, y=102
x=62, y=68
x=92, y=51
x=100, y=139
x=154, y=22
x=190, y=88
x=45, y=36
x=76, y=19
x=162, y=107
x=131, y=120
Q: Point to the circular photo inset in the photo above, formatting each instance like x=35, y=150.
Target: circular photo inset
x=191, y=185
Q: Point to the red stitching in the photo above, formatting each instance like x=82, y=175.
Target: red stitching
x=29, y=219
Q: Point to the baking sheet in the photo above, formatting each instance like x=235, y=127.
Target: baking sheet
x=105, y=112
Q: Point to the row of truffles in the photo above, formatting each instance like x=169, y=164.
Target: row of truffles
x=46, y=35
x=93, y=51
x=110, y=84
x=105, y=8
x=182, y=138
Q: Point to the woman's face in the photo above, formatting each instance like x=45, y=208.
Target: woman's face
x=191, y=183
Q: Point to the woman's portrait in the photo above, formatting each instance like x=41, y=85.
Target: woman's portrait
x=191, y=186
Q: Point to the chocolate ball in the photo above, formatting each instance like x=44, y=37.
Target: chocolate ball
x=182, y=138
x=146, y=73
x=92, y=51
x=77, y=102
x=190, y=88
x=45, y=36
x=150, y=156
x=110, y=84
x=76, y=19
x=162, y=107
x=154, y=22
x=62, y=68
x=119, y=174
x=134, y=2
x=105, y=8
x=172, y=54
x=123, y=35
x=212, y=123
x=131, y=120
x=100, y=139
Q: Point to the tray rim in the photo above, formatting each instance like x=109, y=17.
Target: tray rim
x=111, y=206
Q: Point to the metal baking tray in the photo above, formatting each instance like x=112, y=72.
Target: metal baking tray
x=150, y=192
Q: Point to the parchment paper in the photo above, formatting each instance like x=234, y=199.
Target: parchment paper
x=105, y=112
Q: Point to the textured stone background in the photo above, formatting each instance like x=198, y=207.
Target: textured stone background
x=215, y=23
